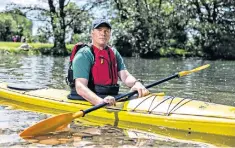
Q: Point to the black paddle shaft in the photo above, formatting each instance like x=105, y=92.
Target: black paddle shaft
x=130, y=94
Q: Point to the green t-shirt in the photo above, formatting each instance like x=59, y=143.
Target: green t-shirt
x=84, y=59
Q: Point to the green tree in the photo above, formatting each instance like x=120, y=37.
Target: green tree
x=43, y=35
x=5, y=30
x=213, y=25
x=60, y=16
x=150, y=25
x=14, y=24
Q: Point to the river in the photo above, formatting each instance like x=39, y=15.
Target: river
x=214, y=84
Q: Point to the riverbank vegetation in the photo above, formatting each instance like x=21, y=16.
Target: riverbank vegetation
x=34, y=48
x=44, y=48
x=144, y=28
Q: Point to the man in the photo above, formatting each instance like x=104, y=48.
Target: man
x=96, y=69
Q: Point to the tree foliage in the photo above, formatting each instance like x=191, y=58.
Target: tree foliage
x=199, y=27
x=146, y=28
x=151, y=25
x=12, y=24
x=62, y=18
x=214, y=23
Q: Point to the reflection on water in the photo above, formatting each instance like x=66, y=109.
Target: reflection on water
x=214, y=84
x=40, y=70
x=94, y=127
x=79, y=135
x=106, y=136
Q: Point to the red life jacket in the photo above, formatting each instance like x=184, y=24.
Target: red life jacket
x=104, y=70
x=103, y=75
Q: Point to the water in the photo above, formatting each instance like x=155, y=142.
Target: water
x=214, y=84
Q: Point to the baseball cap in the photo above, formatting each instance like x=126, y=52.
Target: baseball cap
x=97, y=22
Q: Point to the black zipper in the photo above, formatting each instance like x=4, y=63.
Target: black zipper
x=115, y=70
x=110, y=72
x=111, y=65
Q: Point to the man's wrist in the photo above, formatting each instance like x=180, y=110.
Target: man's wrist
x=138, y=80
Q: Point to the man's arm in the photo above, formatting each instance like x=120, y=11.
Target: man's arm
x=132, y=82
x=127, y=78
x=86, y=93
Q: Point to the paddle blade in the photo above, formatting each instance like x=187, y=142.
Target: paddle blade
x=50, y=125
x=184, y=73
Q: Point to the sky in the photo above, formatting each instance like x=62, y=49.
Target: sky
x=27, y=2
x=3, y=4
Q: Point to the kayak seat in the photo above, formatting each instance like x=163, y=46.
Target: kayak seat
x=23, y=87
x=74, y=96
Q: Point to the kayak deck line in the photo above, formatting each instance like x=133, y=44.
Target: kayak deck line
x=167, y=98
x=60, y=97
x=44, y=94
x=133, y=109
x=171, y=112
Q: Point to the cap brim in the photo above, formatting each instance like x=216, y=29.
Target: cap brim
x=103, y=24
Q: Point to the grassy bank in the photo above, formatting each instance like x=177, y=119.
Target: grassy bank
x=38, y=48
x=14, y=47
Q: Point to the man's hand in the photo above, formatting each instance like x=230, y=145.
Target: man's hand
x=110, y=100
x=142, y=91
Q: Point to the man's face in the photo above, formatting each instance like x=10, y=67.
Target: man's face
x=101, y=35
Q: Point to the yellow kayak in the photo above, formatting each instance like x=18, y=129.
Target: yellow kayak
x=152, y=112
